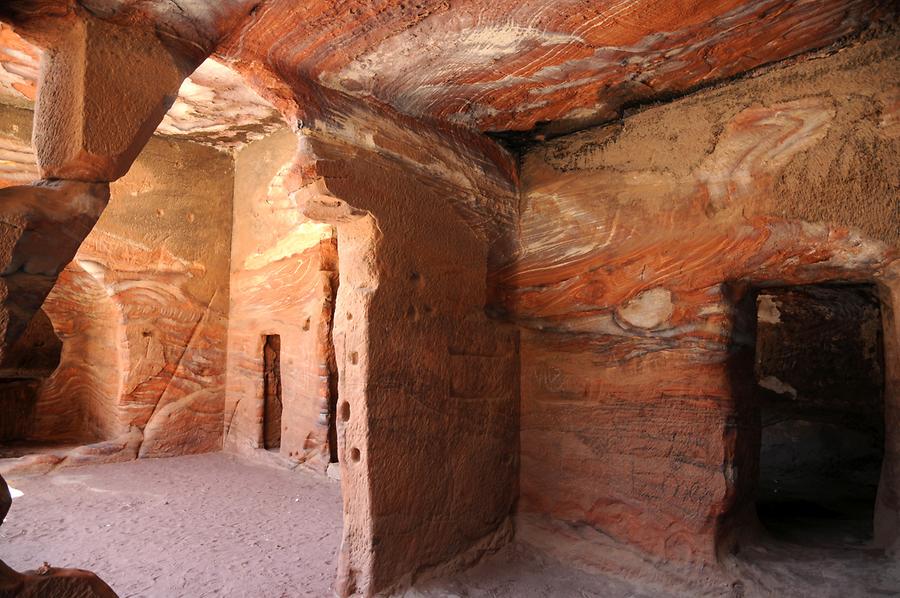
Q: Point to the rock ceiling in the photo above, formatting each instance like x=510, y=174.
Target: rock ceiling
x=509, y=65
x=501, y=66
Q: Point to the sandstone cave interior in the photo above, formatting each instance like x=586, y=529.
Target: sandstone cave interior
x=486, y=299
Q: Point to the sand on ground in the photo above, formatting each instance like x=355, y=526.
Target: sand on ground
x=203, y=525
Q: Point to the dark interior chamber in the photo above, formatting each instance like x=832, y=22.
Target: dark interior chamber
x=819, y=372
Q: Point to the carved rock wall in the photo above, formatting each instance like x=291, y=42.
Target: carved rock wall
x=887, y=504
x=637, y=241
x=283, y=281
x=428, y=384
x=141, y=311
x=31, y=359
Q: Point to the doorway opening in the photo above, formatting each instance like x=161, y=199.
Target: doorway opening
x=272, y=403
x=330, y=265
x=819, y=371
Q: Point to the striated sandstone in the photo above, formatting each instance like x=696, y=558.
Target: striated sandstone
x=213, y=105
x=141, y=311
x=639, y=243
x=41, y=226
x=615, y=411
x=521, y=66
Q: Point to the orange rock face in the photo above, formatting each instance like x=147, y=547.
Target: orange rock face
x=19, y=63
x=427, y=394
x=213, y=106
x=32, y=250
x=506, y=66
x=613, y=408
x=283, y=282
x=141, y=314
x=637, y=243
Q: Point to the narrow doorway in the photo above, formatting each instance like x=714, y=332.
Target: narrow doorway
x=329, y=252
x=820, y=388
x=272, y=404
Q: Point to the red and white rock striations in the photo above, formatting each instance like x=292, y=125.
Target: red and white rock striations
x=502, y=66
x=96, y=65
x=637, y=241
x=624, y=253
x=19, y=64
x=427, y=398
x=514, y=66
x=41, y=226
x=17, y=165
x=147, y=354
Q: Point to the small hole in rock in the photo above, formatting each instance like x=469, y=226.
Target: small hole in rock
x=345, y=411
x=354, y=454
x=354, y=357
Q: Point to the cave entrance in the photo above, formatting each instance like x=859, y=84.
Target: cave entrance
x=272, y=403
x=819, y=370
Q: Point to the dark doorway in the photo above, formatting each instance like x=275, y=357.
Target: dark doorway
x=272, y=405
x=329, y=254
x=819, y=373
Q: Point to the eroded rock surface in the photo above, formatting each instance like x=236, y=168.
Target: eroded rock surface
x=499, y=67
x=626, y=255
x=213, y=105
x=52, y=582
x=141, y=312
x=514, y=65
x=420, y=212
x=637, y=243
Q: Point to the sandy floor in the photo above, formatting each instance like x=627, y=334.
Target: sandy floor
x=242, y=529
x=780, y=569
x=214, y=525
x=518, y=571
